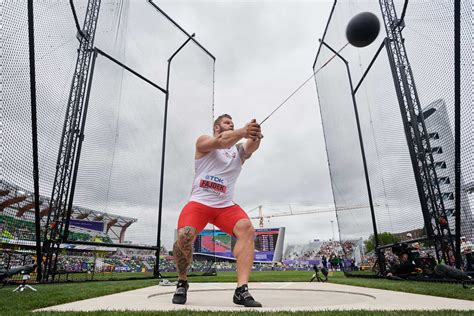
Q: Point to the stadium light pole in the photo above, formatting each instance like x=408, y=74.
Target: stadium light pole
x=156, y=271
x=364, y=161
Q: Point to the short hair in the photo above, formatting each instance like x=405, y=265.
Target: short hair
x=220, y=118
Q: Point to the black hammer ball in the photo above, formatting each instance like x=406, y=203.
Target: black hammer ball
x=363, y=29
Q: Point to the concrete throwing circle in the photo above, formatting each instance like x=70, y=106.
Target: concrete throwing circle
x=281, y=298
x=275, y=296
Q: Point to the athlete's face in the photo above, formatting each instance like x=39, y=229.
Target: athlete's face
x=226, y=124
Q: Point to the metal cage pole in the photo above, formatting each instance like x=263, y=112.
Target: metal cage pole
x=34, y=135
x=417, y=137
x=457, y=130
x=80, y=140
x=380, y=259
x=96, y=53
x=156, y=270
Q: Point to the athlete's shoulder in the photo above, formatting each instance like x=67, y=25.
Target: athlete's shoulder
x=204, y=145
x=203, y=137
x=204, y=141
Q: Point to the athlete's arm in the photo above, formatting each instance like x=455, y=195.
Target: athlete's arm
x=250, y=146
x=205, y=143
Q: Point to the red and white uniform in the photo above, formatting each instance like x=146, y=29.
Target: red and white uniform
x=215, y=176
x=213, y=191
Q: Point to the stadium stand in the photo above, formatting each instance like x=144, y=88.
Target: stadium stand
x=17, y=219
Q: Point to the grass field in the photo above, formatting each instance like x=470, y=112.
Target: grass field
x=53, y=294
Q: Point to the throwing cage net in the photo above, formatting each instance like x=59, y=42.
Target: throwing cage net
x=428, y=31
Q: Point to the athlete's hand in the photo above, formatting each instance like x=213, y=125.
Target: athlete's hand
x=252, y=130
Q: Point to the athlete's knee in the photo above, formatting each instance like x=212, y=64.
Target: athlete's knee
x=244, y=229
x=186, y=236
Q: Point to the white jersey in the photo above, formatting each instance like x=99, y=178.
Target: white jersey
x=215, y=177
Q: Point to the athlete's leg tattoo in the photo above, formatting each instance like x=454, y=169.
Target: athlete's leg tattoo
x=183, y=250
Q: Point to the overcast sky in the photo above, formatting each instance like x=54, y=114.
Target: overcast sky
x=264, y=50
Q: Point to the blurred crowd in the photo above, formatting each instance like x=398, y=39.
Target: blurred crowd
x=332, y=255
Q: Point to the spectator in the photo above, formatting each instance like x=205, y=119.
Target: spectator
x=340, y=263
x=466, y=251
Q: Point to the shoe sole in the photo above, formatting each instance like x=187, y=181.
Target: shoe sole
x=174, y=300
x=243, y=304
x=179, y=303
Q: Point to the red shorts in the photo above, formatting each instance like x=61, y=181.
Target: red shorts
x=199, y=215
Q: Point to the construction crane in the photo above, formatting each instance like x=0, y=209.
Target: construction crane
x=261, y=217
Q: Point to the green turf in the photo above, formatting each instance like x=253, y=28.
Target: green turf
x=104, y=276
x=426, y=288
x=53, y=294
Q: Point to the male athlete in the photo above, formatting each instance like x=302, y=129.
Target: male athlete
x=218, y=161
